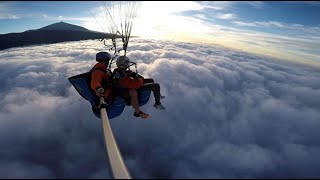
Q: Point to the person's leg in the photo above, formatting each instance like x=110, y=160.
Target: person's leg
x=146, y=82
x=155, y=88
x=134, y=100
x=149, y=80
x=135, y=104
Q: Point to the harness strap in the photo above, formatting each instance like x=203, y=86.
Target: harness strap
x=110, y=84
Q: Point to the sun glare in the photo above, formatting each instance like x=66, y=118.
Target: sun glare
x=159, y=19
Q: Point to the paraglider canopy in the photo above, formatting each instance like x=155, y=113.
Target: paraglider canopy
x=118, y=18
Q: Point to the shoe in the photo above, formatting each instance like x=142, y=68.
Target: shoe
x=141, y=114
x=162, y=97
x=159, y=106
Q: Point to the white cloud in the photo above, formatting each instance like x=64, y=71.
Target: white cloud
x=264, y=24
x=9, y=16
x=10, y=11
x=164, y=7
x=228, y=5
x=216, y=5
x=28, y=170
x=201, y=16
x=64, y=18
x=240, y=23
x=258, y=117
x=256, y=4
x=290, y=48
x=310, y=30
x=226, y=16
x=4, y=6
x=6, y=12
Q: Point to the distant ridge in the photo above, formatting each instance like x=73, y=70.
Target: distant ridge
x=64, y=26
x=54, y=33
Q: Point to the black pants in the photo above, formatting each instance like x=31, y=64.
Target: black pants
x=149, y=84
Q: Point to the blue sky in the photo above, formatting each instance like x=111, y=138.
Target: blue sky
x=287, y=30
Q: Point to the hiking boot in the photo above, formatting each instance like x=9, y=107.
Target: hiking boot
x=159, y=106
x=141, y=114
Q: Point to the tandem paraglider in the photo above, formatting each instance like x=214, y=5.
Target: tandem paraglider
x=109, y=89
x=119, y=86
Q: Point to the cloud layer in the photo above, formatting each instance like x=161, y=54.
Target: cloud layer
x=229, y=114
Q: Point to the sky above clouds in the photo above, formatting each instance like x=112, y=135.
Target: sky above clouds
x=286, y=30
x=230, y=114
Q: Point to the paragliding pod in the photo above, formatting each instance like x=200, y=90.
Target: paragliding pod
x=115, y=110
x=144, y=96
x=81, y=84
x=118, y=105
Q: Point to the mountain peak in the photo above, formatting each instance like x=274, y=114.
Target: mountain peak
x=63, y=26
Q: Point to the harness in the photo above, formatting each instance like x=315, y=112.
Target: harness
x=111, y=98
x=104, y=82
x=116, y=76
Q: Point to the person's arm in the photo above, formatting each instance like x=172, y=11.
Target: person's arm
x=96, y=79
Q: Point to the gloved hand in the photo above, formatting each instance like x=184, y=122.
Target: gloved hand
x=99, y=91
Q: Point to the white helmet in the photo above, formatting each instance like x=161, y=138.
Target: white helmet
x=123, y=62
